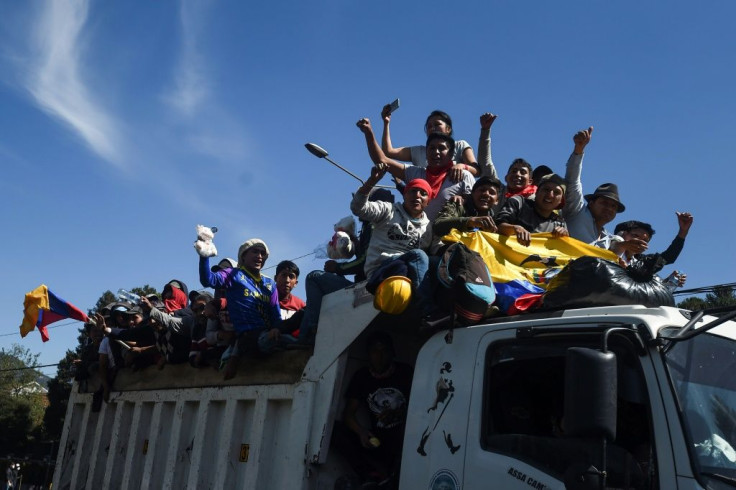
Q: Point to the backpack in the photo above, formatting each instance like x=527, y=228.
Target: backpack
x=466, y=275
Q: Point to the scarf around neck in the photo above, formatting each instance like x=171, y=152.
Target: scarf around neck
x=525, y=192
x=436, y=176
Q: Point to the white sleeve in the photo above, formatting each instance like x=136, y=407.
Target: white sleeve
x=574, y=201
x=370, y=211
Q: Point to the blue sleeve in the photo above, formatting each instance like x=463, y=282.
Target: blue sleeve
x=208, y=278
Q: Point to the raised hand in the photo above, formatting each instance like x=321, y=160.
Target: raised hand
x=581, y=139
x=486, y=120
x=685, y=221
x=386, y=113
x=364, y=125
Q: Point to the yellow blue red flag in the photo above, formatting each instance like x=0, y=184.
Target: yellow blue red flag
x=42, y=307
x=517, y=270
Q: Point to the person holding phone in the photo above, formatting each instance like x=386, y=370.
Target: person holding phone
x=437, y=122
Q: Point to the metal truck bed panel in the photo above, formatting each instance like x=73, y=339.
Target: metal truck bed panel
x=196, y=438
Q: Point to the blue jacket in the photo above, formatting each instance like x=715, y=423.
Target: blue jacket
x=253, y=302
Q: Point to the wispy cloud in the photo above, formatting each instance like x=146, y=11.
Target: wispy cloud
x=211, y=131
x=56, y=82
x=191, y=87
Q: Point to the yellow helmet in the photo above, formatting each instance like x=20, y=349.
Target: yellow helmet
x=393, y=295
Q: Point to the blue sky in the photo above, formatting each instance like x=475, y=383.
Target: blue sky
x=125, y=124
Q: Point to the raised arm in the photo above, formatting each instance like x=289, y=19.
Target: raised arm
x=402, y=153
x=361, y=206
x=208, y=278
x=574, y=201
x=685, y=221
x=376, y=153
x=487, y=169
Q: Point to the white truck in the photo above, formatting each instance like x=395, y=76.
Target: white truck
x=614, y=397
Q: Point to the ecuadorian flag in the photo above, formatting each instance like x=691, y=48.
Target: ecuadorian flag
x=518, y=271
x=42, y=307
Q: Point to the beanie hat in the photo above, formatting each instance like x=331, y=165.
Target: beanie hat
x=419, y=184
x=251, y=243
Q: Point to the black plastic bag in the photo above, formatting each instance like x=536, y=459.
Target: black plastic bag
x=591, y=281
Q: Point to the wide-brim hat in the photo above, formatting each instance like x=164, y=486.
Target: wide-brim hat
x=607, y=190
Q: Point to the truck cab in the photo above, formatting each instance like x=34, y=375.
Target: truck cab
x=490, y=406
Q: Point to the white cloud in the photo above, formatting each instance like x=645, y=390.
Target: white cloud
x=209, y=130
x=190, y=83
x=56, y=81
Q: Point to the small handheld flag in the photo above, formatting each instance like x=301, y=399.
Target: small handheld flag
x=41, y=307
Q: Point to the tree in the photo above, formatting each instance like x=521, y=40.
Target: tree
x=21, y=406
x=721, y=296
x=13, y=376
x=718, y=296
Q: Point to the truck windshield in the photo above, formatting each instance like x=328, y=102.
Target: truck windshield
x=702, y=372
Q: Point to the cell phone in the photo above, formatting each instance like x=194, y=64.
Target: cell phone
x=394, y=105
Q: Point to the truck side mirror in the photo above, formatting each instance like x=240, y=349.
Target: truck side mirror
x=590, y=393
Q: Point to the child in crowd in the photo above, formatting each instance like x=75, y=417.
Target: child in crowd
x=291, y=305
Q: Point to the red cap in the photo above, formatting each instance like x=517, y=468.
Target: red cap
x=419, y=184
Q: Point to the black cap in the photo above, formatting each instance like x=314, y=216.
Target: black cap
x=487, y=181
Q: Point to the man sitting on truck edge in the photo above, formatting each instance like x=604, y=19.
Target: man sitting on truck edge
x=252, y=301
x=401, y=232
x=382, y=388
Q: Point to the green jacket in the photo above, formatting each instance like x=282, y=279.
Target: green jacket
x=454, y=215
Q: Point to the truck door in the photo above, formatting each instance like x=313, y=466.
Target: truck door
x=516, y=427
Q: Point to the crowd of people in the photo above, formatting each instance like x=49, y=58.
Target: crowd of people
x=443, y=186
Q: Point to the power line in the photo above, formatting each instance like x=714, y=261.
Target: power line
x=296, y=258
x=705, y=289
x=50, y=327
